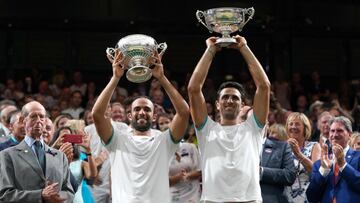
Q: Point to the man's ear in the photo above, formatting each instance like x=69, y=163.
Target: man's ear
x=129, y=116
x=217, y=104
x=21, y=119
x=242, y=104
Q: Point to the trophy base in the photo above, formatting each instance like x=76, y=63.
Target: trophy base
x=138, y=74
x=225, y=42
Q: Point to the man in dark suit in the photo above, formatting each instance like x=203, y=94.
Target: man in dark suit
x=336, y=178
x=31, y=171
x=277, y=171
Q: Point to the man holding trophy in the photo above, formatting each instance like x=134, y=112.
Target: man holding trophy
x=139, y=155
x=231, y=149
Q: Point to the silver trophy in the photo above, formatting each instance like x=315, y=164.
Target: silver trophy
x=137, y=50
x=225, y=20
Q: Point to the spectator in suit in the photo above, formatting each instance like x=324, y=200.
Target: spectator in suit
x=17, y=132
x=336, y=177
x=277, y=168
x=31, y=171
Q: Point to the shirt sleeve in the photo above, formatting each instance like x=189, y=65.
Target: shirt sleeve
x=170, y=145
x=117, y=137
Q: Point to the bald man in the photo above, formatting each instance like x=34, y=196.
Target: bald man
x=31, y=171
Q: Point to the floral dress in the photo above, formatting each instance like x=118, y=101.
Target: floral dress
x=297, y=192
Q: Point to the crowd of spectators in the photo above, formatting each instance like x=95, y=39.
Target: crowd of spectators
x=299, y=114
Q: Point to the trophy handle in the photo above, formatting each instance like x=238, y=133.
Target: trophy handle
x=111, y=52
x=199, y=15
x=162, y=47
x=250, y=12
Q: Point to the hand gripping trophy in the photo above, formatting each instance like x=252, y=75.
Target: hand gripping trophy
x=225, y=20
x=137, y=50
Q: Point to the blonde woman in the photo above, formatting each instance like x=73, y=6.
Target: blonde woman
x=355, y=141
x=298, y=129
x=277, y=132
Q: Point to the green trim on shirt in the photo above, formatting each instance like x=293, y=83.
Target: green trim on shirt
x=111, y=138
x=172, y=138
x=258, y=122
x=202, y=125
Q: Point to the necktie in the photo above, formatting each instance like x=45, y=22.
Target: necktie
x=336, y=174
x=40, y=153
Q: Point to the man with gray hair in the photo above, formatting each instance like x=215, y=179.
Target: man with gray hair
x=4, y=119
x=17, y=131
x=336, y=177
x=324, y=127
x=32, y=171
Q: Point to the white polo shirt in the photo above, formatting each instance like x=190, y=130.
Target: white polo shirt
x=140, y=166
x=230, y=160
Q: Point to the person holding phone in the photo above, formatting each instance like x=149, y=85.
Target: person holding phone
x=83, y=167
x=139, y=155
x=82, y=163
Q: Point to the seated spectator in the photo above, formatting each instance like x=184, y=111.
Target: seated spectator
x=117, y=112
x=78, y=85
x=163, y=121
x=88, y=117
x=75, y=108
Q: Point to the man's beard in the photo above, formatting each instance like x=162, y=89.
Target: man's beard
x=230, y=114
x=141, y=127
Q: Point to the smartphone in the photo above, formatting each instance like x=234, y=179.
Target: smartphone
x=73, y=138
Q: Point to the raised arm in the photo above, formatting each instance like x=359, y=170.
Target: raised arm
x=180, y=121
x=262, y=94
x=102, y=123
x=197, y=101
x=89, y=166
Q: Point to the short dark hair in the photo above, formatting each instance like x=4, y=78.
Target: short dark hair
x=139, y=97
x=231, y=84
x=129, y=100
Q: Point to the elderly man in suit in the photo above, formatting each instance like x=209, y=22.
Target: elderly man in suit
x=336, y=178
x=277, y=170
x=32, y=171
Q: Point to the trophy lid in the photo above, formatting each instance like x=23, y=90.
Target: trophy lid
x=136, y=39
